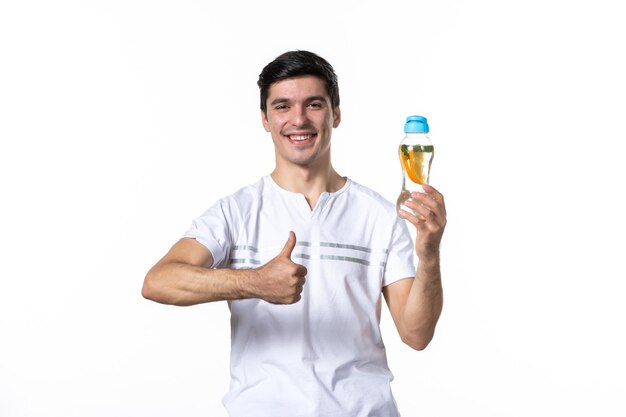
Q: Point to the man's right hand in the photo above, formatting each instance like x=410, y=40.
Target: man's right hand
x=280, y=281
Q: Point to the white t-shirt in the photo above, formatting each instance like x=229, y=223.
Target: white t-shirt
x=324, y=355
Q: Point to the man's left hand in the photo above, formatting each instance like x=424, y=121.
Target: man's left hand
x=429, y=219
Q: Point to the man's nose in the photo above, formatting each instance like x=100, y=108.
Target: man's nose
x=299, y=117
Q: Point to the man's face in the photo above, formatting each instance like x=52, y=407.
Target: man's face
x=300, y=118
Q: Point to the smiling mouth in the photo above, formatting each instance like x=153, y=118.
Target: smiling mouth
x=301, y=138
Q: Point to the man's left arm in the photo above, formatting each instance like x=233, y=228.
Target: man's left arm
x=416, y=304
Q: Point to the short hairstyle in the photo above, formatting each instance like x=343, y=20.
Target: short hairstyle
x=297, y=63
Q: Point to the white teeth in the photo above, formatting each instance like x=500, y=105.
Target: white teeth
x=300, y=137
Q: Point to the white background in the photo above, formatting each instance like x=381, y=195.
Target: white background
x=121, y=121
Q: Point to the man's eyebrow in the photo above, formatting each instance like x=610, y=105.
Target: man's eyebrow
x=279, y=100
x=316, y=98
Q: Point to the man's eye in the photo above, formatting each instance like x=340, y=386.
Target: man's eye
x=316, y=105
x=280, y=107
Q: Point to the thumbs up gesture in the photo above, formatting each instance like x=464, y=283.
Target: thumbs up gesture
x=280, y=281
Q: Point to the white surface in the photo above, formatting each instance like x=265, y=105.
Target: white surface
x=119, y=119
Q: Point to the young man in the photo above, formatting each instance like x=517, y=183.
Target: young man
x=305, y=312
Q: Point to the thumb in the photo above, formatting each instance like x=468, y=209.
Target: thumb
x=288, y=248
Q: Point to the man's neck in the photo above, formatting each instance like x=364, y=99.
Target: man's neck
x=309, y=182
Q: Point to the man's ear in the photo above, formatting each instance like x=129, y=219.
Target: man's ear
x=336, y=116
x=266, y=124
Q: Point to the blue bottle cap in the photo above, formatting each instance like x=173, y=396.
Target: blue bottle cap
x=416, y=124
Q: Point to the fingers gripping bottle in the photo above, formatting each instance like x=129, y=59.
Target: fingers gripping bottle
x=416, y=155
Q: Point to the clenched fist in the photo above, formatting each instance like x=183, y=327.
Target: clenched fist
x=280, y=281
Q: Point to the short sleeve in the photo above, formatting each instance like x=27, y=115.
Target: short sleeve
x=400, y=260
x=212, y=230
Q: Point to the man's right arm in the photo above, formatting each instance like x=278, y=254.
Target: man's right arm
x=184, y=277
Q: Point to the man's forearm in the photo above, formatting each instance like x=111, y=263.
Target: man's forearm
x=424, y=304
x=182, y=278
x=183, y=284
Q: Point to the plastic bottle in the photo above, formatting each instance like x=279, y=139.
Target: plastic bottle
x=416, y=155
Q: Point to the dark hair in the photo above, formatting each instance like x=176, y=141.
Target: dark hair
x=296, y=63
